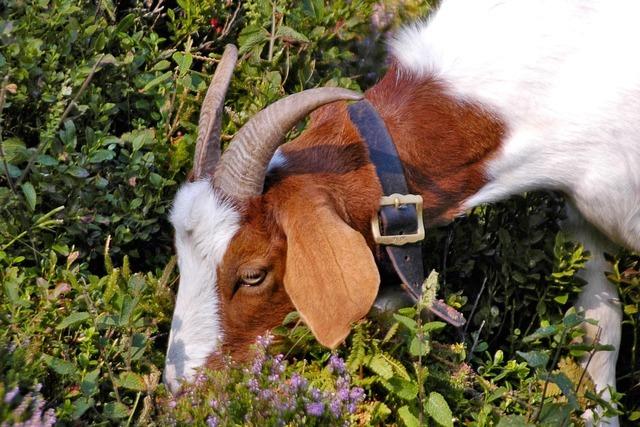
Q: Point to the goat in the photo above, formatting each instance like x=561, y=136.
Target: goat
x=484, y=100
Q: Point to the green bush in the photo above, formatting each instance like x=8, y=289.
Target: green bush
x=99, y=105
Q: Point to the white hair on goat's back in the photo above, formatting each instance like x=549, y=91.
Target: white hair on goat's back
x=204, y=225
x=562, y=77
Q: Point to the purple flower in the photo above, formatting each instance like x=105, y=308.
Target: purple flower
x=298, y=382
x=336, y=364
x=213, y=421
x=256, y=368
x=357, y=395
x=351, y=407
x=315, y=409
x=273, y=378
x=172, y=404
x=264, y=341
x=253, y=385
x=8, y=398
x=335, y=407
x=49, y=418
x=343, y=394
x=265, y=395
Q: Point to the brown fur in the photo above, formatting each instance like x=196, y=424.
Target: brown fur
x=443, y=144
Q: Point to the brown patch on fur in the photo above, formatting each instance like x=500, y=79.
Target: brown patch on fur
x=444, y=145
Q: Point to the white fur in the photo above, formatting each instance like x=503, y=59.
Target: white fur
x=204, y=225
x=564, y=76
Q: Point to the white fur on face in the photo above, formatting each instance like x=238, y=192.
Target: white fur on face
x=204, y=225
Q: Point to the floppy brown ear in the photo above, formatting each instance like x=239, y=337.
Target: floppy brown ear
x=331, y=276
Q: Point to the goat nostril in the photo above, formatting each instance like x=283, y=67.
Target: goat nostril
x=407, y=257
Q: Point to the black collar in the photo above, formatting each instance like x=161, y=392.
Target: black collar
x=399, y=225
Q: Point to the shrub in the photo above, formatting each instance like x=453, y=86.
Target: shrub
x=98, y=109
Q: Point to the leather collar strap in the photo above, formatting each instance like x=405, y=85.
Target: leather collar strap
x=400, y=218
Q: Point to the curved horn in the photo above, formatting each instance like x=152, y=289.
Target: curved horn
x=207, y=151
x=243, y=166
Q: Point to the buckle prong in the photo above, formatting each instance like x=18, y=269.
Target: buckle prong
x=399, y=239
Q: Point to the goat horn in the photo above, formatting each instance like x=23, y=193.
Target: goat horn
x=207, y=151
x=243, y=166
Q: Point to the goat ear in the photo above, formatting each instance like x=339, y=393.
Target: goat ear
x=331, y=276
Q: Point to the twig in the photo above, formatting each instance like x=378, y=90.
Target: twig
x=3, y=94
x=592, y=353
x=475, y=304
x=475, y=340
x=66, y=112
x=229, y=22
x=272, y=36
x=547, y=380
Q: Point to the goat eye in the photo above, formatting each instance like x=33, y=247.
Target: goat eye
x=252, y=278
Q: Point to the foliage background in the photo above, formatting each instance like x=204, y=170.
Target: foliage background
x=98, y=110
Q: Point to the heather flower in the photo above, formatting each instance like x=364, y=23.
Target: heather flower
x=336, y=364
x=315, y=409
x=253, y=385
x=32, y=406
x=298, y=382
x=264, y=341
x=357, y=395
x=213, y=421
x=335, y=407
x=256, y=368
x=8, y=398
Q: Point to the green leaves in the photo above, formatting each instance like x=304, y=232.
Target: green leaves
x=60, y=366
x=29, y=195
x=73, y=319
x=535, y=359
x=131, y=381
x=439, y=410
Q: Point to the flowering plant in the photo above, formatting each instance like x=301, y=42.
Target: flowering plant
x=268, y=392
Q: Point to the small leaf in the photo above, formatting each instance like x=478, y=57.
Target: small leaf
x=62, y=367
x=116, y=410
x=29, y=195
x=407, y=390
x=380, y=366
x=89, y=384
x=81, y=405
x=78, y=172
x=289, y=34
x=132, y=381
x=433, y=326
x=406, y=321
x=251, y=37
x=535, y=359
x=158, y=80
x=543, y=332
x=514, y=421
x=183, y=60
x=73, y=319
x=101, y=156
x=419, y=347
x=407, y=417
x=439, y=410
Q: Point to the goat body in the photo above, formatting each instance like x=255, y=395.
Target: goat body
x=485, y=100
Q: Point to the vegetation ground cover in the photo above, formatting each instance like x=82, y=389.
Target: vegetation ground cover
x=99, y=105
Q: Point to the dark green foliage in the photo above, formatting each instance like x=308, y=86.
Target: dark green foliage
x=98, y=112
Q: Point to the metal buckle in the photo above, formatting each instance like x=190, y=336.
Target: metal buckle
x=399, y=239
